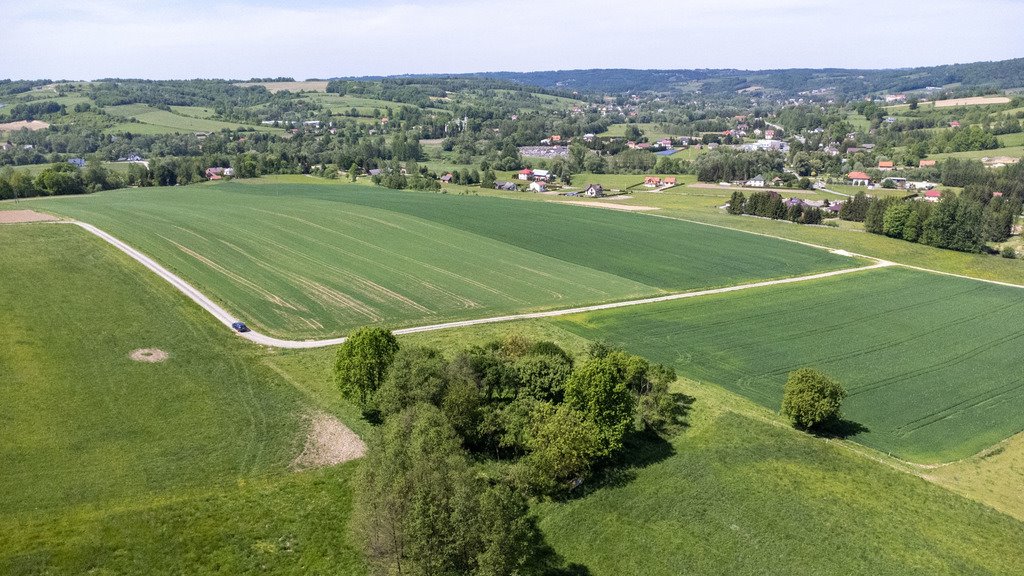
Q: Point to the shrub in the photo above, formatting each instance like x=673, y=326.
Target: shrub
x=811, y=398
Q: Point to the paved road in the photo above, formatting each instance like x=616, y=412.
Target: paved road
x=227, y=318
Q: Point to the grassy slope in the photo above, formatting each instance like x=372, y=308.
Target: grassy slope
x=311, y=260
x=155, y=121
x=740, y=493
x=114, y=464
x=929, y=360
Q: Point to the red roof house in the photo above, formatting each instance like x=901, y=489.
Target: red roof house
x=859, y=178
x=886, y=165
x=926, y=163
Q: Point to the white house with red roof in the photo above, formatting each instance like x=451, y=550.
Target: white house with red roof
x=859, y=179
x=526, y=174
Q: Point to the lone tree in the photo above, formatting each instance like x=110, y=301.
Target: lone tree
x=362, y=363
x=811, y=398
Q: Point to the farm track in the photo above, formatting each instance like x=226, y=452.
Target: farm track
x=227, y=318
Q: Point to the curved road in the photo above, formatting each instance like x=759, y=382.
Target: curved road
x=226, y=318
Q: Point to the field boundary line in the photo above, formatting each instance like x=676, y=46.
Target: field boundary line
x=226, y=318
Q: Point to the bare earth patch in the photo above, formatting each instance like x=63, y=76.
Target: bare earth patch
x=148, y=355
x=626, y=207
x=308, y=86
x=972, y=101
x=24, y=124
x=328, y=442
x=22, y=216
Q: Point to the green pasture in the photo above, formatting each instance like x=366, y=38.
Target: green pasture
x=313, y=260
x=83, y=423
x=156, y=121
x=652, y=131
x=1011, y=151
x=737, y=495
x=929, y=361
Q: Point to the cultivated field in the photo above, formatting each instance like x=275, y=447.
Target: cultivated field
x=930, y=361
x=31, y=125
x=318, y=260
x=121, y=466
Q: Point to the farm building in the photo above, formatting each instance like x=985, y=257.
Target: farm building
x=756, y=182
x=886, y=165
x=652, y=181
x=669, y=181
x=926, y=164
x=79, y=162
x=447, y=178
x=933, y=195
x=509, y=186
x=594, y=191
x=218, y=172
x=538, y=186
x=541, y=175
x=526, y=174
x=859, y=179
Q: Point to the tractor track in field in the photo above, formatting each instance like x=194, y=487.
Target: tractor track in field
x=226, y=318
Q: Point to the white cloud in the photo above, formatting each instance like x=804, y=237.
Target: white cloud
x=62, y=39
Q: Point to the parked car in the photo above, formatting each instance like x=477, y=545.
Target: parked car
x=240, y=326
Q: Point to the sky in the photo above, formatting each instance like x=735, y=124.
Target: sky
x=241, y=39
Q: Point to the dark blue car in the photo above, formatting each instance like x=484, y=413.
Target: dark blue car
x=240, y=326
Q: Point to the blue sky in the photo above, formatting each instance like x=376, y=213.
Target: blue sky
x=88, y=39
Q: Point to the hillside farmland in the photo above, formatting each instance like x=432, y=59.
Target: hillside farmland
x=314, y=260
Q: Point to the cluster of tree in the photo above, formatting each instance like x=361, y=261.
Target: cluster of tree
x=59, y=180
x=965, y=223
x=537, y=421
x=33, y=110
x=769, y=204
x=116, y=92
x=727, y=164
x=410, y=176
x=812, y=399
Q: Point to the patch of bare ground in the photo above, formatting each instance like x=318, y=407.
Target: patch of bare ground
x=972, y=101
x=148, y=355
x=328, y=442
x=22, y=216
x=626, y=207
x=32, y=125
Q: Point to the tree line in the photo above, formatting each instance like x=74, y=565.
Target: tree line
x=965, y=223
x=769, y=204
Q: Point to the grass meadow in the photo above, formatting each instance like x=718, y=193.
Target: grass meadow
x=156, y=121
x=121, y=466
x=929, y=361
x=313, y=260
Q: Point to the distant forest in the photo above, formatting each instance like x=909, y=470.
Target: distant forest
x=840, y=83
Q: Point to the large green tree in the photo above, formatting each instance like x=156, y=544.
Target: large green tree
x=599, y=389
x=362, y=363
x=811, y=398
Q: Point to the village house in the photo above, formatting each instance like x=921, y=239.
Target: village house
x=594, y=191
x=859, y=179
x=79, y=162
x=218, y=172
x=541, y=175
x=926, y=164
x=526, y=174
x=886, y=165
x=669, y=181
x=652, y=181
x=755, y=182
x=507, y=186
x=538, y=186
x=933, y=195
x=665, y=143
x=447, y=178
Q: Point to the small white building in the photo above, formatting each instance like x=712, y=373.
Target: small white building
x=537, y=186
x=756, y=182
x=594, y=191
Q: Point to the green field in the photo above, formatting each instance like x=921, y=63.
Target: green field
x=651, y=131
x=312, y=260
x=171, y=467
x=155, y=121
x=929, y=360
x=740, y=496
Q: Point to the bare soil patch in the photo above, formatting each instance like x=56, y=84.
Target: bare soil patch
x=311, y=86
x=973, y=101
x=151, y=355
x=328, y=442
x=22, y=216
x=24, y=124
x=626, y=207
